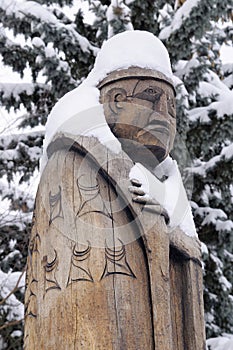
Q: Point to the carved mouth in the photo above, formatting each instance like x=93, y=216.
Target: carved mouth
x=158, y=126
x=160, y=129
x=151, y=129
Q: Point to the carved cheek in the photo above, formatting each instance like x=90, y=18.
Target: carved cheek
x=140, y=114
x=171, y=106
x=172, y=122
x=172, y=132
x=129, y=114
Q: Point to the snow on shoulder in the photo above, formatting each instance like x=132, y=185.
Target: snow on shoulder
x=170, y=194
x=130, y=48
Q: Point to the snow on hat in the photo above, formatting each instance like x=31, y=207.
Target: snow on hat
x=133, y=49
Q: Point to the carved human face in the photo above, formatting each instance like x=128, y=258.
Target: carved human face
x=141, y=114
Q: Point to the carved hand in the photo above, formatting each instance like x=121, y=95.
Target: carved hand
x=145, y=199
x=141, y=196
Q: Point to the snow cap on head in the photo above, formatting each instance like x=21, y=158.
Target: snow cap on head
x=133, y=48
x=121, y=54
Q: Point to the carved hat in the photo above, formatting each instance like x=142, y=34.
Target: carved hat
x=135, y=72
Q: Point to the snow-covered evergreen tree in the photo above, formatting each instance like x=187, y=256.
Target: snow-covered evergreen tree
x=41, y=37
x=194, y=38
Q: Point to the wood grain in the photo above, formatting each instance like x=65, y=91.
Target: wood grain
x=103, y=272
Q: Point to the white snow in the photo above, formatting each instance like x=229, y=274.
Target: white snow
x=16, y=333
x=32, y=9
x=227, y=152
x=213, y=87
x=7, y=283
x=128, y=2
x=164, y=15
x=15, y=89
x=218, y=262
x=38, y=42
x=49, y=51
x=221, y=343
x=204, y=249
x=131, y=48
x=226, y=285
x=202, y=167
x=12, y=244
x=170, y=194
x=181, y=92
x=181, y=14
x=79, y=113
x=15, y=217
x=228, y=81
x=74, y=112
x=226, y=53
x=210, y=214
x=226, y=225
x=216, y=217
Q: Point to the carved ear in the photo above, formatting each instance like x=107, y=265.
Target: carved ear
x=116, y=99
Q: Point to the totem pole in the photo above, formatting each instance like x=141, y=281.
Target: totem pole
x=106, y=269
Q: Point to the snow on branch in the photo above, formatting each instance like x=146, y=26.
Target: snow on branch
x=10, y=283
x=35, y=14
x=202, y=168
x=180, y=16
x=223, y=104
x=11, y=50
x=14, y=90
x=118, y=16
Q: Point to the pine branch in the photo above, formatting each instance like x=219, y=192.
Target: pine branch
x=11, y=323
x=13, y=291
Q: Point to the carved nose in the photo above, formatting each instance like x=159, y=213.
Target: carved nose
x=161, y=105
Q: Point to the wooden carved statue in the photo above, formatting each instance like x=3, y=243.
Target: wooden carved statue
x=105, y=269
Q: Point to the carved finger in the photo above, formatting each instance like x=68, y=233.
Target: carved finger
x=140, y=199
x=136, y=190
x=145, y=200
x=136, y=182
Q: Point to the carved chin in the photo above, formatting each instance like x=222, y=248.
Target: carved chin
x=148, y=155
x=159, y=152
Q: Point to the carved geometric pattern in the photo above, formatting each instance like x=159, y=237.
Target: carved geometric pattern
x=31, y=281
x=34, y=244
x=50, y=269
x=116, y=262
x=87, y=194
x=55, y=204
x=31, y=304
x=79, y=270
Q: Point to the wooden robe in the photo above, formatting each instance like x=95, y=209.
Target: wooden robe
x=103, y=272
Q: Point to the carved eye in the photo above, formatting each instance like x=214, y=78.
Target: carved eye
x=151, y=94
x=151, y=91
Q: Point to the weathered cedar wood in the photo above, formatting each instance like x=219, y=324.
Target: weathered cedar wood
x=76, y=313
